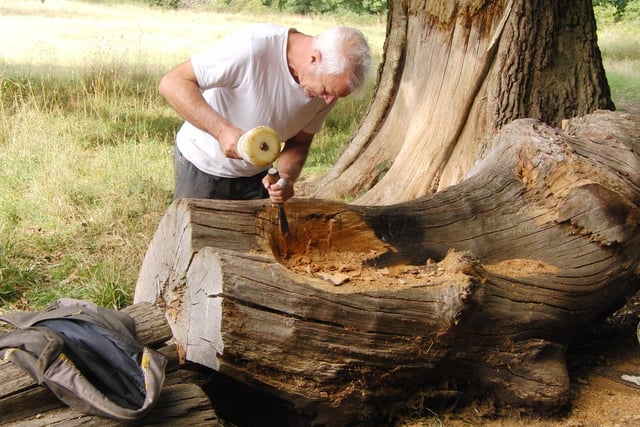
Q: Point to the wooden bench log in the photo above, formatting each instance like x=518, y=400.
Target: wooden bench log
x=179, y=404
x=25, y=403
x=501, y=273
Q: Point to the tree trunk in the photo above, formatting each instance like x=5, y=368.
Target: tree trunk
x=478, y=288
x=453, y=73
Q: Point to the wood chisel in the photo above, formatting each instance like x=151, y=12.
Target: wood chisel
x=274, y=177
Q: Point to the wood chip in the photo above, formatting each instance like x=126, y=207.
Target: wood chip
x=336, y=279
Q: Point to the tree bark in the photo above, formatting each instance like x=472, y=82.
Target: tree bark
x=453, y=74
x=478, y=288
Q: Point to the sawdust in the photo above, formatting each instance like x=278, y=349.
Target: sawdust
x=352, y=271
x=521, y=268
x=601, y=397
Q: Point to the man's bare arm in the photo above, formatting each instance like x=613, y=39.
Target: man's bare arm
x=180, y=88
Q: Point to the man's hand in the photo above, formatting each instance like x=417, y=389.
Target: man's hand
x=280, y=191
x=228, y=139
x=290, y=164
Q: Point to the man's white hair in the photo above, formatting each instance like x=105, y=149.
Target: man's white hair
x=344, y=49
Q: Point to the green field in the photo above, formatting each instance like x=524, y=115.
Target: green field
x=86, y=141
x=621, y=58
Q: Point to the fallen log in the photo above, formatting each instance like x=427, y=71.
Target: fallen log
x=478, y=288
x=180, y=404
x=25, y=403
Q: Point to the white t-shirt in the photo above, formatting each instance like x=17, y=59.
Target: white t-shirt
x=246, y=79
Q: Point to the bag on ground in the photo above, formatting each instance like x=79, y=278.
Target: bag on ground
x=88, y=356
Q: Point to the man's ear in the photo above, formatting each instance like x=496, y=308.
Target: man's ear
x=316, y=57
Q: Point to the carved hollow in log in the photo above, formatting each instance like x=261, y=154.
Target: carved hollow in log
x=483, y=285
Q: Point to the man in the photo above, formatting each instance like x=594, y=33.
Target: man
x=266, y=75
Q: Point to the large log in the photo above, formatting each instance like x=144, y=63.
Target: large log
x=25, y=403
x=480, y=287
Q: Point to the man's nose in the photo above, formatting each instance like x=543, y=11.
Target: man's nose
x=328, y=98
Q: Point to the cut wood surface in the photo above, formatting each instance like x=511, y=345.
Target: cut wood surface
x=478, y=288
x=24, y=403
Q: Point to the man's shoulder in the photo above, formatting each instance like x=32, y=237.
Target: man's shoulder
x=268, y=30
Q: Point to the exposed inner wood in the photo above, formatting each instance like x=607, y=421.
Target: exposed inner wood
x=369, y=264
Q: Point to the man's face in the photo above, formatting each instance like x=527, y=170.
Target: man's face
x=329, y=87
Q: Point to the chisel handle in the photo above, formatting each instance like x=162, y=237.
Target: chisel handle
x=274, y=178
x=273, y=175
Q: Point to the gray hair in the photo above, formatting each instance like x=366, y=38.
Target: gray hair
x=344, y=49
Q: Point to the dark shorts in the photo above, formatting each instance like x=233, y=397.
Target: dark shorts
x=191, y=182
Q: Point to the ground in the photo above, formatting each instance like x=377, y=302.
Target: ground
x=605, y=378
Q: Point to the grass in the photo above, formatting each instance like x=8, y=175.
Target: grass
x=621, y=58
x=86, y=141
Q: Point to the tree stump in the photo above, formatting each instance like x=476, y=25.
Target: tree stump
x=478, y=288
